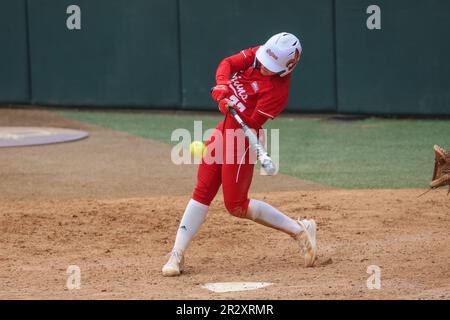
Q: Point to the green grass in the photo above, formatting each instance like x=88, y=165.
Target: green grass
x=371, y=153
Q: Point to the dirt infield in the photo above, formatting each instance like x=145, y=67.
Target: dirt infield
x=111, y=205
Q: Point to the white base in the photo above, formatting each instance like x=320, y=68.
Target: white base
x=221, y=287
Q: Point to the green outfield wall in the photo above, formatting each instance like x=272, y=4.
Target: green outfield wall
x=402, y=68
x=212, y=30
x=163, y=53
x=125, y=54
x=14, y=68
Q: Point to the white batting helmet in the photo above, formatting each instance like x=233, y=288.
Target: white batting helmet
x=280, y=53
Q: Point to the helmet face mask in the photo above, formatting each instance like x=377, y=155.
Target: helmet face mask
x=280, y=54
x=290, y=65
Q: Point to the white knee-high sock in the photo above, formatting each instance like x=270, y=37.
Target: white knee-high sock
x=193, y=217
x=267, y=215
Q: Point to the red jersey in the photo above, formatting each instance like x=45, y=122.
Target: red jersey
x=249, y=89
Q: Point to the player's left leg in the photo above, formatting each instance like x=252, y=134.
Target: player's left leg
x=236, y=180
x=208, y=183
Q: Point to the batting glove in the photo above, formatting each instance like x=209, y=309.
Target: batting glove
x=219, y=92
x=223, y=105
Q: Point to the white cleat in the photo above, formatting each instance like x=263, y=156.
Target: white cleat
x=307, y=240
x=175, y=265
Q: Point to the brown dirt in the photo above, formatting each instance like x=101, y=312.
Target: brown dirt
x=116, y=216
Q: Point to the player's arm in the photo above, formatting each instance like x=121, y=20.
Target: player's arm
x=271, y=103
x=228, y=66
x=255, y=121
x=235, y=63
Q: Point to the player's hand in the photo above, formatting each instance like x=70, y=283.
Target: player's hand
x=219, y=92
x=223, y=105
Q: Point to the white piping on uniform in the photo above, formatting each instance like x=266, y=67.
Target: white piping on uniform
x=266, y=114
x=234, y=90
x=245, y=56
x=240, y=164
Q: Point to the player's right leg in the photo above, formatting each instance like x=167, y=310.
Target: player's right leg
x=236, y=180
x=208, y=183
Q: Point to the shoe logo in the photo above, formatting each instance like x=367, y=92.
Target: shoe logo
x=183, y=227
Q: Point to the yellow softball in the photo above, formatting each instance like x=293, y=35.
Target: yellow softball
x=197, y=148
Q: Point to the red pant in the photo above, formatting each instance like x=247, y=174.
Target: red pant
x=235, y=177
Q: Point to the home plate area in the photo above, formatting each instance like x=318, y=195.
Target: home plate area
x=221, y=287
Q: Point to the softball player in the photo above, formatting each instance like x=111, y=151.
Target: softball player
x=257, y=81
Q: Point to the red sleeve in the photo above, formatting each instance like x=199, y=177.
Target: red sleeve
x=271, y=103
x=255, y=121
x=235, y=63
